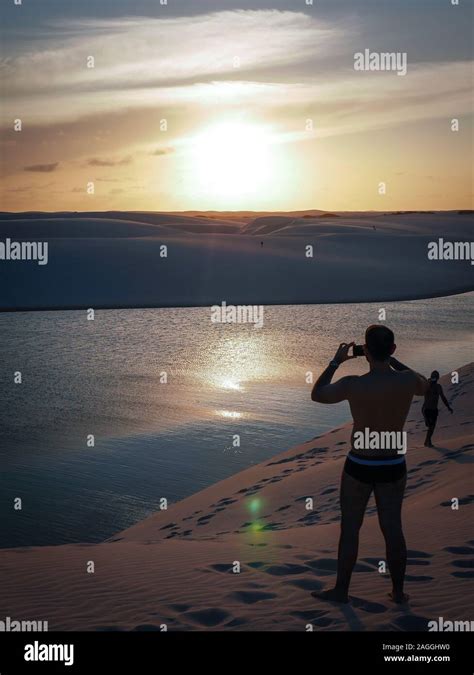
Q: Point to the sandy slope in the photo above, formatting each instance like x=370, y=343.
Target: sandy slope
x=114, y=259
x=176, y=566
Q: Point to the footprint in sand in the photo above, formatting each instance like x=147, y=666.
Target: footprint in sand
x=411, y=622
x=238, y=621
x=309, y=518
x=329, y=490
x=367, y=606
x=251, y=597
x=411, y=553
x=459, y=550
x=260, y=545
x=221, y=567
x=264, y=528
x=257, y=565
x=212, y=616
x=465, y=564
x=284, y=570
x=463, y=575
x=330, y=565
x=463, y=501
x=306, y=584
x=204, y=520
x=255, y=584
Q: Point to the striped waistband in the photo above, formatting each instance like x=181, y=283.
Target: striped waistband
x=375, y=462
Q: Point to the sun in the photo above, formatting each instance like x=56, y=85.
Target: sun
x=233, y=159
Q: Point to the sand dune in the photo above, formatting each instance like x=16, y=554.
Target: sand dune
x=176, y=567
x=116, y=259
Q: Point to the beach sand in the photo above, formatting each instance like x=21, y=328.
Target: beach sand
x=177, y=567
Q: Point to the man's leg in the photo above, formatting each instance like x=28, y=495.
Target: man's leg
x=431, y=417
x=429, y=434
x=354, y=496
x=389, y=498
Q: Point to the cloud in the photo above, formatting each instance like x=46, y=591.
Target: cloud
x=42, y=168
x=138, y=56
x=97, y=161
x=162, y=151
x=21, y=189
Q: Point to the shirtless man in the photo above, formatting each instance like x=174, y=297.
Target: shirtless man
x=379, y=401
x=430, y=406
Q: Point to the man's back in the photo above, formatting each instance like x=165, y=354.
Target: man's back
x=432, y=396
x=380, y=401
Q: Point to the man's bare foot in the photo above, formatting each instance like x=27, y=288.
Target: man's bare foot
x=331, y=595
x=399, y=598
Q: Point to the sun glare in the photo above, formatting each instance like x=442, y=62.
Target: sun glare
x=233, y=159
x=230, y=384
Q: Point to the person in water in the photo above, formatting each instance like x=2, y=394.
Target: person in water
x=430, y=406
x=379, y=401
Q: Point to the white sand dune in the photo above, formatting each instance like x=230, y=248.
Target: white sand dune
x=176, y=567
x=115, y=259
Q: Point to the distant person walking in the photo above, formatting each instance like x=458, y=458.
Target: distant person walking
x=379, y=401
x=430, y=406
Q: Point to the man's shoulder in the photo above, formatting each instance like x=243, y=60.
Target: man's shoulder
x=350, y=379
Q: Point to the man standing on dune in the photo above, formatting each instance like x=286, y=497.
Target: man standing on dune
x=430, y=406
x=379, y=401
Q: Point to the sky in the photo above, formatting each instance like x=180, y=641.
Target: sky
x=227, y=105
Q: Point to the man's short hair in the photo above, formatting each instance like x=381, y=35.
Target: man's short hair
x=379, y=341
x=435, y=375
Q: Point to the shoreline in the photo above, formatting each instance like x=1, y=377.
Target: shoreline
x=464, y=290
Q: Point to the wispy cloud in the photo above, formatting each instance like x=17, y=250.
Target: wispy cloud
x=99, y=161
x=42, y=168
x=131, y=56
x=162, y=151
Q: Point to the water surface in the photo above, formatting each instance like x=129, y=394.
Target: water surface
x=165, y=392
